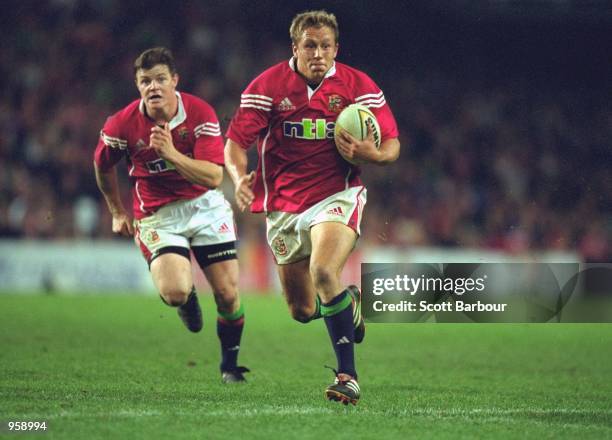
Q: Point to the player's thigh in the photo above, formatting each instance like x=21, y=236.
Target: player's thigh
x=171, y=273
x=223, y=278
x=220, y=266
x=163, y=244
x=297, y=284
x=335, y=227
x=332, y=243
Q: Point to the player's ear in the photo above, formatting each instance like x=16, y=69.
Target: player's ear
x=294, y=49
x=175, y=79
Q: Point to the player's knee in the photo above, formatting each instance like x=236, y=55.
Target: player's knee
x=226, y=305
x=301, y=313
x=174, y=297
x=226, y=297
x=322, y=277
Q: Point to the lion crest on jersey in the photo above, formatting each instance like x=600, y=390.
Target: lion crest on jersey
x=279, y=246
x=183, y=132
x=335, y=103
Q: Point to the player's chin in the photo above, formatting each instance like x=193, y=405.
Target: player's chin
x=155, y=102
x=318, y=71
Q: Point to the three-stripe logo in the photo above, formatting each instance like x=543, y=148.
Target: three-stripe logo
x=208, y=129
x=260, y=102
x=371, y=100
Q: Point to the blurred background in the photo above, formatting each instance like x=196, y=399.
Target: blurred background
x=504, y=109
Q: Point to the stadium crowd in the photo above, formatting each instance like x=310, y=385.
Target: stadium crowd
x=505, y=163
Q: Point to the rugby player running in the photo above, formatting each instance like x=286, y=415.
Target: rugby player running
x=312, y=198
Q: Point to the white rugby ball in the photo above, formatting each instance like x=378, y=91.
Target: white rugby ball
x=356, y=119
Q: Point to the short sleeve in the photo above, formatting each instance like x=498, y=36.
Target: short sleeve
x=112, y=146
x=208, y=140
x=253, y=116
x=369, y=94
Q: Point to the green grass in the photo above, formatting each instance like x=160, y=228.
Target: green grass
x=124, y=367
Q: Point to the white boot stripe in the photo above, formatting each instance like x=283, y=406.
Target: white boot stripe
x=353, y=386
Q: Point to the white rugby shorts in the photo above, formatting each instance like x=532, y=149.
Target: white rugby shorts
x=289, y=234
x=202, y=221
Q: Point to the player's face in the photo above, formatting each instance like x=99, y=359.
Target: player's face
x=315, y=52
x=157, y=87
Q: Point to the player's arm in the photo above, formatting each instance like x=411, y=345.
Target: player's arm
x=109, y=187
x=200, y=172
x=251, y=118
x=389, y=151
x=236, y=166
x=366, y=149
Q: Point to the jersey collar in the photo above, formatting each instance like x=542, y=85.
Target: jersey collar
x=311, y=91
x=180, y=116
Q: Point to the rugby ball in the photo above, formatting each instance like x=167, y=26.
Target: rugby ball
x=356, y=119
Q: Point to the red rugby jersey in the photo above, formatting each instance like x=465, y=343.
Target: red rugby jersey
x=195, y=133
x=293, y=126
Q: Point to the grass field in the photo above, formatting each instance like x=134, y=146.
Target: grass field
x=124, y=367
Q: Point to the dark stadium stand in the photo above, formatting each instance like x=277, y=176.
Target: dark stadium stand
x=505, y=124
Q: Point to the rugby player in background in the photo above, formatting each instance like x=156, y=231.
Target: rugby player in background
x=174, y=151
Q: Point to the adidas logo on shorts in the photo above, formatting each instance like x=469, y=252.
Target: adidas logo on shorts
x=223, y=229
x=335, y=211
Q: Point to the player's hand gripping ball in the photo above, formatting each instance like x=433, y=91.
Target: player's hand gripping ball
x=357, y=119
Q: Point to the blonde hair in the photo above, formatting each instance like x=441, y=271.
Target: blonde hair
x=316, y=19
